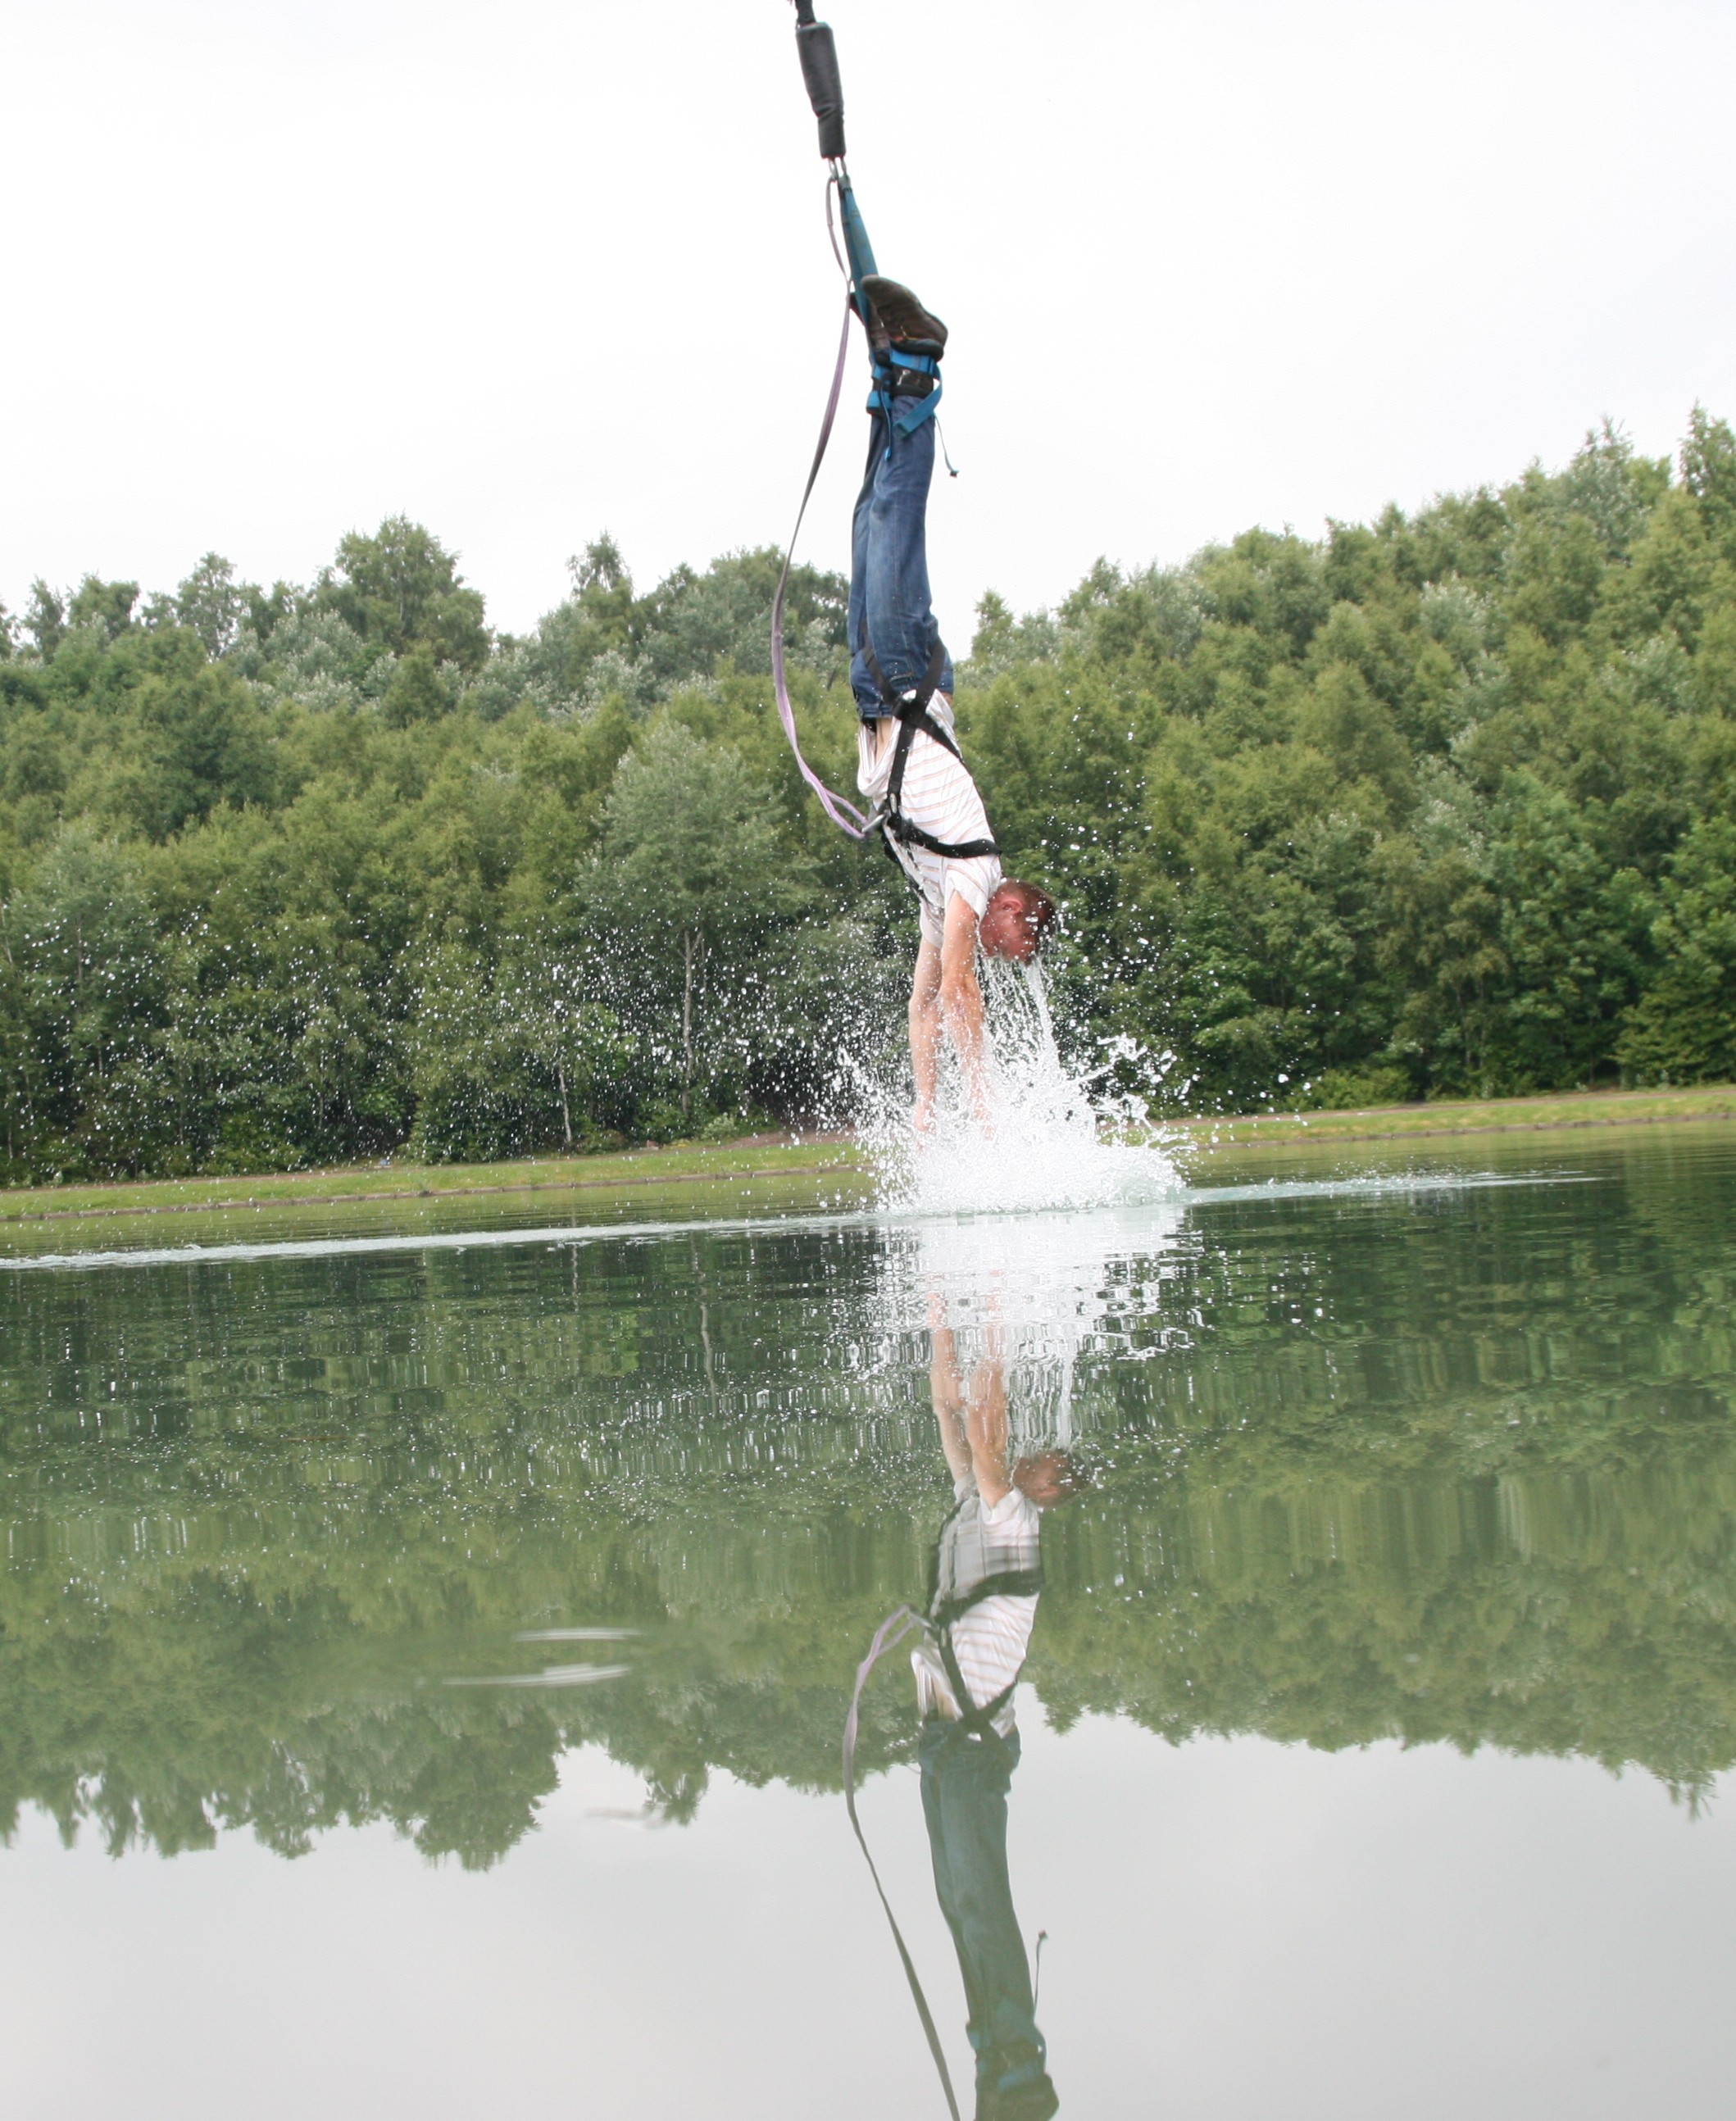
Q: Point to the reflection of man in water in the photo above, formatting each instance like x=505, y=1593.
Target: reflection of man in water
x=986, y=1576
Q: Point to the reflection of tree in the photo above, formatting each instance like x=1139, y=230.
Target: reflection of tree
x=1510, y=1523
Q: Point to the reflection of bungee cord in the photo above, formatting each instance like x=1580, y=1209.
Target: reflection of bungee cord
x=891, y=1631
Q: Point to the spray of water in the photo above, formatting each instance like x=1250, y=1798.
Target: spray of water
x=1058, y=1136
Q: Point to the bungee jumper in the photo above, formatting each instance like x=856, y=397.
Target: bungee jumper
x=923, y=802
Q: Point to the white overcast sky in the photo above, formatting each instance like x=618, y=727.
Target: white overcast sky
x=529, y=271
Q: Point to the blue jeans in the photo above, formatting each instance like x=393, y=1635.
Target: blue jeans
x=965, y=1782
x=890, y=606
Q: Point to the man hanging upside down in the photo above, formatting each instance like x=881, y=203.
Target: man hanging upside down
x=909, y=767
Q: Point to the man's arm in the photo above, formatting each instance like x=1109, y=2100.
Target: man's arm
x=947, y=1392
x=986, y=1430
x=974, y=1429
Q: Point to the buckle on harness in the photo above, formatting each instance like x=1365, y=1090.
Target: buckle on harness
x=914, y=379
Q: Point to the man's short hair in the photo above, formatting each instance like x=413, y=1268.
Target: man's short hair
x=1015, y=921
x=1048, y=1477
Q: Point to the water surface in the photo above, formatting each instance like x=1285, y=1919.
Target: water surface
x=423, y=1665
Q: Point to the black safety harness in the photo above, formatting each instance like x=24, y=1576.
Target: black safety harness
x=944, y=1615
x=910, y=709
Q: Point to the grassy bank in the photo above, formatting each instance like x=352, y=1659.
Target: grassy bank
x=685, y=1166
x=1478, y=1116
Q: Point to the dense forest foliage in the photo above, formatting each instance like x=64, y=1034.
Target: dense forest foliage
x=1443, y=804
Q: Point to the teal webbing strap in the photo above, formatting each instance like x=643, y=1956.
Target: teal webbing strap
x=917, y=410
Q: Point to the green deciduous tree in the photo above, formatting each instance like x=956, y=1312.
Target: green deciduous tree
x=1682, y=1029
x=212, y=604
x=402, y=588
x=692, y=869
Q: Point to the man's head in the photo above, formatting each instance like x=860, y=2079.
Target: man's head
x=1015, y=921
x=1048, y=1477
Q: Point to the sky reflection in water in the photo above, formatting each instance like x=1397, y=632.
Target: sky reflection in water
x=1409, y=1511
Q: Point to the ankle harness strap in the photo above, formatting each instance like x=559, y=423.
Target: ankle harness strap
x=907, y=387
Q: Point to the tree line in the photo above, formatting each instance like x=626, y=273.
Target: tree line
x=1443, y=805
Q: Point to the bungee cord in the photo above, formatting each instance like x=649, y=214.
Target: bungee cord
x=819, y=54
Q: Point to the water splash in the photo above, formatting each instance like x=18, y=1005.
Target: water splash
x=1058, y=1137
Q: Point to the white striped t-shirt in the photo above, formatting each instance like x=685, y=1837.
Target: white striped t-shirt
x=939, y=796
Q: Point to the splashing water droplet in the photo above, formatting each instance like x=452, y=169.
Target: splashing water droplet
x=1050, y=1141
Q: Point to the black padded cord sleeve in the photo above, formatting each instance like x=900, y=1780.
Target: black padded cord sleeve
x=819, y=56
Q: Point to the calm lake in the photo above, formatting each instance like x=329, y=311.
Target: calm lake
x=424, y=1661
